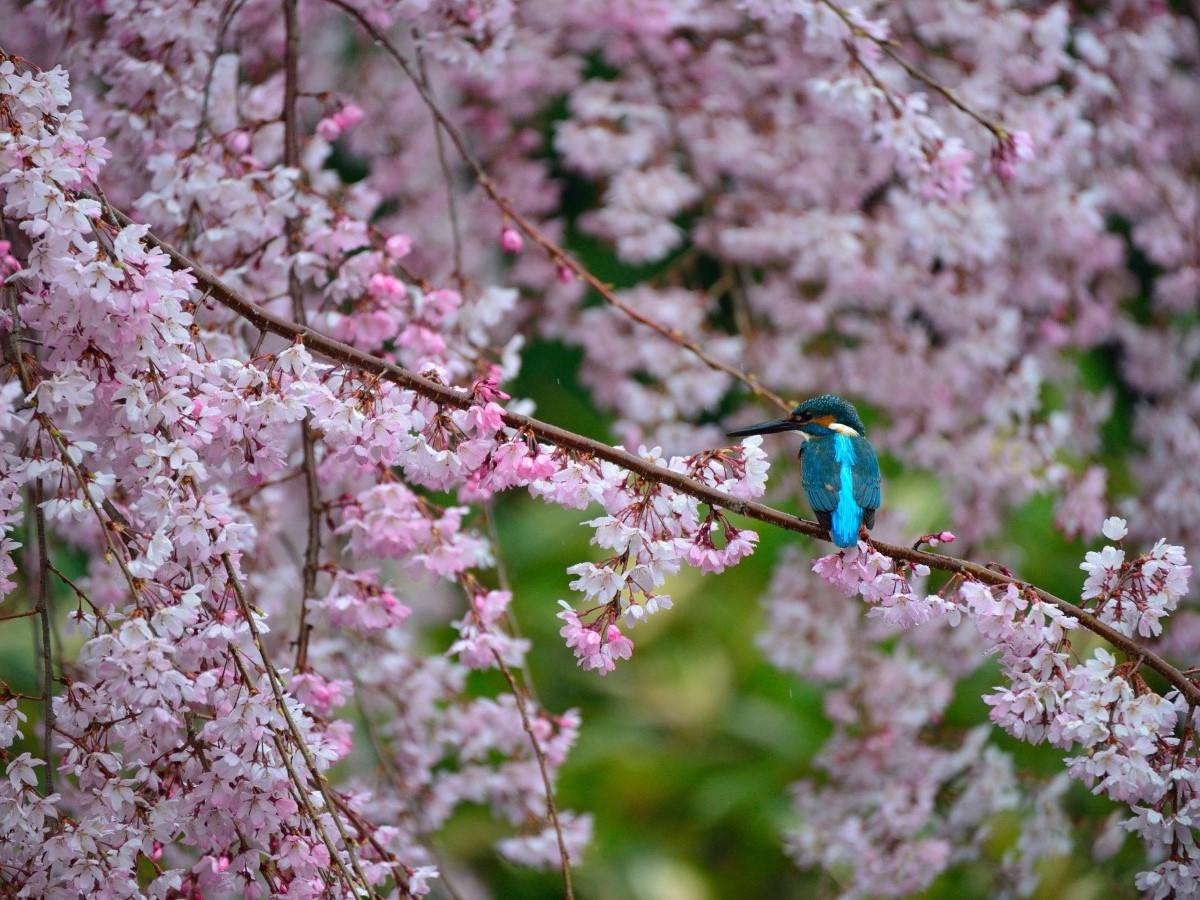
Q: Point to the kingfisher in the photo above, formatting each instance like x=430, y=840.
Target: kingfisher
x=837, y=464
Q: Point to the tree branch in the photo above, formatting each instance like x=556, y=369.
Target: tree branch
x=352, y=357
x=291, y=159
x=889, y=49
x=43, y=608
x=551, y=807
x=554, y=250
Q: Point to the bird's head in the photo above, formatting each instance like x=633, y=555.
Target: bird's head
x=816, y=417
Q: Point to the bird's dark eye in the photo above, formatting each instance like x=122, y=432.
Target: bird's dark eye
x=802, y=416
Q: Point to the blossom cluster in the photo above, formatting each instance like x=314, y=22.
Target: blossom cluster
x=651, y=530
x=1131, y=743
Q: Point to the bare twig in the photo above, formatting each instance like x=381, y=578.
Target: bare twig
x=447, y=175
x=43, y=608
x=888, y=47
x=20, y=615
x=281, y=703
x=554, y=250
x=514, y=627
x=291, y=158
x=551, y=806
x=228, y=14
x=41, y=603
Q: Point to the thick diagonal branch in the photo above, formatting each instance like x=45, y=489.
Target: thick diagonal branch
x=354, y=358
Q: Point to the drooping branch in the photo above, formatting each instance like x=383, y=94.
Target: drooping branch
x=338, y=352
x=539, y=755
x=44, y=614
x=291, y=158
x=41, y=604
x=552, y=248
x=889, y=49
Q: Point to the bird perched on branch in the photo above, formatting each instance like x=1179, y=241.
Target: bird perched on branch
x=837, y=464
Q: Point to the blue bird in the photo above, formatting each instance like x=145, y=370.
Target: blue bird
x=837, y=464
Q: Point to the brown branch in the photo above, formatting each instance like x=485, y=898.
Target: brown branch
x=444, y=163
x=889, y=49
x=43, y=608
x=291, y=159
x=551, y=807
x=276, y=681
x=554, y=250
x=42, y=603
x=352, y=357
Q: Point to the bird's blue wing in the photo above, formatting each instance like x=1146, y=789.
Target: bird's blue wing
x=867, y=491
x=819, y=474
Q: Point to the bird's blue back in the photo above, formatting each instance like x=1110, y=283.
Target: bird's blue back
x=841, y=478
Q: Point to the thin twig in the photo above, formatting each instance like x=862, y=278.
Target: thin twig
x=447, y=175
x=514, y=626
x=43, y=607
x=889, y=49
x=291, y=159
x=392, y=776
x=338, y=352
x=20, y=615
x=41, y=603
x=554, y=250
x=228, y=13
x=551, y=806
x=281, y=702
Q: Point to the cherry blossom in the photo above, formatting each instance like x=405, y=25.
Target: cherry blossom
x=948, y=212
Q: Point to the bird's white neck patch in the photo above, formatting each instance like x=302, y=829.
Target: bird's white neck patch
x=843, y=429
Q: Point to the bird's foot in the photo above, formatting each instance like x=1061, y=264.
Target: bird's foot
x=864, y=535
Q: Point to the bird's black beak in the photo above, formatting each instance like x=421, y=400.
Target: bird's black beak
x=775, y=425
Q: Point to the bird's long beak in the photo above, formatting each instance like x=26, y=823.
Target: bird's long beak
x=775, y=425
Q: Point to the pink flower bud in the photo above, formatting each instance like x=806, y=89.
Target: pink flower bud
x=564, y=274
x=329, y=129
x=381, y=285
x=946, y=537
x=510, y=240
x=398, y=246
x=1009, y=150
x=238, y=141
x=348, y=116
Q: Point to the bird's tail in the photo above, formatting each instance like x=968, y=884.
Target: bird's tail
x=847, y=517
